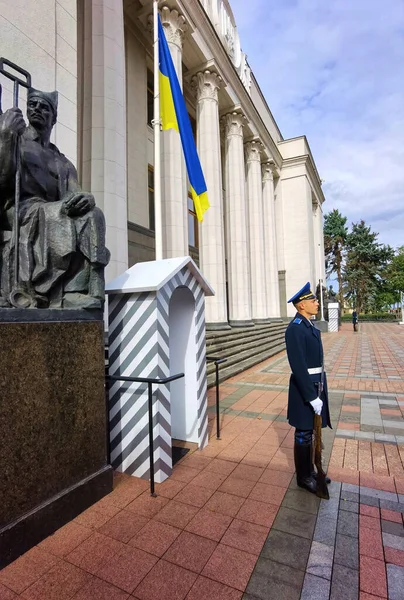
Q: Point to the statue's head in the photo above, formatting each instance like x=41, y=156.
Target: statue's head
x=42, y=108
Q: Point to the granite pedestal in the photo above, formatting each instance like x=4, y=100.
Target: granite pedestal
x=53, y=444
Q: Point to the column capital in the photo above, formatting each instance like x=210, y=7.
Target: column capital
x=268, y=171
x=233, y=124
x=206, y=84
x=174, y=25
x=253, y=150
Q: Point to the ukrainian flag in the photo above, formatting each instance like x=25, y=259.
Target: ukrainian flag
x=174, y=115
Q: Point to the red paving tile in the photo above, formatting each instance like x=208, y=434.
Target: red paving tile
x=209, y=524
x=185, y=474
x=126, y=569
x=93, y=519
x=370, y=511
x=207, y=589
x=393, y=556
x=225, y=504
x=194, y=495
x=245, y=536
x=169, y=488
x=65, y=539
x=225, y=467
x=97, y=589
x=209, y=479
x=248, y=472
x=190, y=551
x=195, y=462
x=60, y=583
x=391, y=515
x=236, y=486
x=177, y=514
x=155, y=537
x=27, y=569
x=94, y=551
x=369, y=522
x=123, y=526
x=272, y=494
x=372, y=576
x=6, y=593
x=147, y=506
x=370, y=542
x=273, y=477
x=230, y=566
x=257, y=512
x=377, y=482
x=166, y=581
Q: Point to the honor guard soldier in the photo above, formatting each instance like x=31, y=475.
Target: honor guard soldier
x=305, y=354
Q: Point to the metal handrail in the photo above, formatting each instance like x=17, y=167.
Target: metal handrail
x=218, y=361
x=150, y=381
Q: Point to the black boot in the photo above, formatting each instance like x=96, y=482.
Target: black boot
x=314, y=475
x=303, y=455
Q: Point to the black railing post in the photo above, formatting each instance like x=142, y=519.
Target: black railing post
x=151, y=443
x=217, y=401
x=218, y=361
x=149, y=381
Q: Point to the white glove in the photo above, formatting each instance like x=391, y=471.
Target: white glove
x=317, y=405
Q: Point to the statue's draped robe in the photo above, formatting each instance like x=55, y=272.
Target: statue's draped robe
x=58, y=253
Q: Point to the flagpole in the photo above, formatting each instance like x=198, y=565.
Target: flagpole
x=157, y=154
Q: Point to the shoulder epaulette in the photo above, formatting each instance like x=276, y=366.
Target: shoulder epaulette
x=297, y=321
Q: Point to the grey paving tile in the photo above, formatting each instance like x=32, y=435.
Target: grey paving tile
x=301, y=500
x=387, y=402
x=334, y=489
x=273, y=581
x=287, y=549
x=396, y=506
x=320, y=560
x=385, y=438
x=346, y=551
x=365, y=491
x=344, y=584
x=365, y=435
x=347, y=523
x=393, y=424
x=393, y=541
x=349, y=506
x=315, y=588
x=393, y=528
x=345, y=433
x=326, y=530
x=395, y=582
x=401, y=498
x=295, y=522
x=350, y=496
x=369, y=501
x=400, y=438
x=350, y=487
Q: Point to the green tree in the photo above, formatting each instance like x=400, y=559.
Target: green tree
x=365, y=266
x=394, y=275
x=335, y=236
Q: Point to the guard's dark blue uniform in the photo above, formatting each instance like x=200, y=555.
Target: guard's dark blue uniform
x=305, y=351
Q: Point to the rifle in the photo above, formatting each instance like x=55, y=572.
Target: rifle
x=321, y=488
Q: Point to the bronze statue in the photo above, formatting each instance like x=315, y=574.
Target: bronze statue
x=60, y=233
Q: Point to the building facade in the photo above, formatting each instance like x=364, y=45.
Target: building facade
x=262, y=237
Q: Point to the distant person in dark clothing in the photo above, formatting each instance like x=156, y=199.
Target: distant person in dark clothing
x=355, y=320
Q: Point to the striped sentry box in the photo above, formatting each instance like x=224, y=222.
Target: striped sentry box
x=156, y=329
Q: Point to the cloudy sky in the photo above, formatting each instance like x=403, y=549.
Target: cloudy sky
x=334, y=70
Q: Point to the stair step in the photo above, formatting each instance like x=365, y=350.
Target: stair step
x=227, y=371
x=215, y=338
x=234, y=346
x=245, y=351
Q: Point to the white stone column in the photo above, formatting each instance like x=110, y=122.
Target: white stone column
x=236, y=223
x=256, y=231
x=270, y=245
x=211, y=240
x=104, y=123
x=173, y=170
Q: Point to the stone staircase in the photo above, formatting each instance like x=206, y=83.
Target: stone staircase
x=243, y=347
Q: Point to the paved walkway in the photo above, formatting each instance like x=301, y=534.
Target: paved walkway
x=231, y=523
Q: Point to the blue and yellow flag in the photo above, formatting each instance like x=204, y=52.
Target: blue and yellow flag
x=174, y=115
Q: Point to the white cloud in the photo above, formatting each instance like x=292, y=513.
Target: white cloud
x=334, y=71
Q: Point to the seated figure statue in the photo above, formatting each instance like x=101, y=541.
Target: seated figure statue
x=61, y=234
